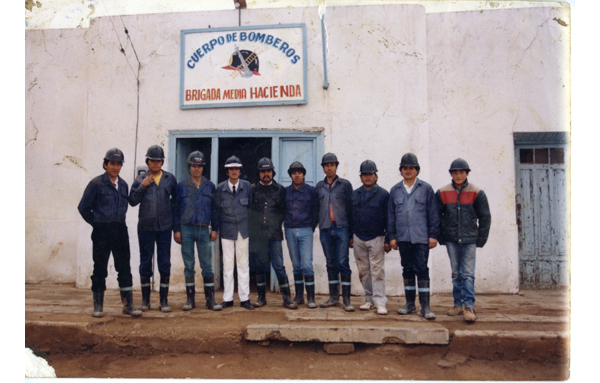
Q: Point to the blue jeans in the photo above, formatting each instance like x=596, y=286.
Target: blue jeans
x=300, y=244
x=413, y=258
x=462, y=261
x=268, y=253
x=200, y=236
x=336, y=244
x=147, y=239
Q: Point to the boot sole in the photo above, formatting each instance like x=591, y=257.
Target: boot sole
x=327, y=305
x=98, y=315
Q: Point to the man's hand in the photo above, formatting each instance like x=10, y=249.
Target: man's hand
x=177, y=237
x=387, y=247
x=213, y=235
x=148, y=181
x=432, y=243
x=394, y=244
x=351, y=242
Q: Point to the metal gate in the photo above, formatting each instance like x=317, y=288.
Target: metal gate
x=542, y=209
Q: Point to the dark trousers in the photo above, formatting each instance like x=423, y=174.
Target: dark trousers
x=413, y=258
x=147, y=239
x=107, y=238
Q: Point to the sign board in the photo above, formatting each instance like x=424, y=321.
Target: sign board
x=243, y=66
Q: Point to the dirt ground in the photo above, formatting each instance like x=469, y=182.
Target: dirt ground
x=282, y=360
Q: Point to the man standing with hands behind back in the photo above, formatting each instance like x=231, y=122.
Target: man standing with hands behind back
x=155, y=192
x=413, y=228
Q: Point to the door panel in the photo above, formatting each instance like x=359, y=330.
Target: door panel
x=302, y=150
x=542, y=218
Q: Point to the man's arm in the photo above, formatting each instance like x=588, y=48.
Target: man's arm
x=482, y=210
x=87, y=202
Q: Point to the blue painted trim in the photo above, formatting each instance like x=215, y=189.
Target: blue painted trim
x=244, y=104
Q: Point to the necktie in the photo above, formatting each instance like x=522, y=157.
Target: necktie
x=233, y=189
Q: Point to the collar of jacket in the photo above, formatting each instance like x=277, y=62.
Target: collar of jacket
x=464, y=185
x=301, y=189
x=106, y=179
x=238, y=186
x=272, y=184
x=335, y=179
x=372, y=192
x=418, y=182
x=188, y=182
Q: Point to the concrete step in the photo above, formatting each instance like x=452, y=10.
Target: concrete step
x=407, y=333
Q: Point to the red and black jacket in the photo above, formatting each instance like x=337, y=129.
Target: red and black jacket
x=465, y=214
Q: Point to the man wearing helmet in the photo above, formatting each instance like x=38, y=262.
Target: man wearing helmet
x=370, y=204
x=335, y=225
x=301, y=219
x=154, y=192
x=413, y=227
x=104, y=205
x=193, y=211
x=465, y=225
x=266, y=235
x=234, y=200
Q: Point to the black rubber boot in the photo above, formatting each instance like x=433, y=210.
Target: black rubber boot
x=334, y=292
x=284, y=287
x=299, y=289
x=163, y=293
x=127, y=300
x=261, y=288
x=209, y=294
x=410, y=293
x=424, y=300
x=145, y=285
x=346, y=292
x=190, y=291
x=309, y=281
x=98, y=303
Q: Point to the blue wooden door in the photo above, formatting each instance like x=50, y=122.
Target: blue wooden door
x=542, y=216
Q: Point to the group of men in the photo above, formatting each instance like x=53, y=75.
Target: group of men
x=410, y=218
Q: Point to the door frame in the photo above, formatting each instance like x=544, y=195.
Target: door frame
x=276, y=137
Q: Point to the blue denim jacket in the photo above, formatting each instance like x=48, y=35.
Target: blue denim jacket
x=101, y=202
x=302, y=207
x=370, y=213
x=413, y=218
x=340, y=197
x=195, y=204
x=156, y=202
x=234, y=210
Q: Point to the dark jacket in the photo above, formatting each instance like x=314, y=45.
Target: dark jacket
x=413, y=218
x=302, y=207
x=195, y=204
x=156, y=202
x=101, y=202
x=340, y=197
x=370, y=213
x=268, y=211
x=234, y=210
x=465, y=214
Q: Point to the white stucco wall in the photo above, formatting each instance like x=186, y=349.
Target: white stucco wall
x=397, y=83
x=491, y=74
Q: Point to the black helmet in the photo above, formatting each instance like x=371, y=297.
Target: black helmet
x=196, y=158
x=409, y=159
x=155, y=152
x=233, y=162
x=266, y=164
x=459, y=164
x=114, y=154
x=368, y=166
x=296, y=166
x=329, y=157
